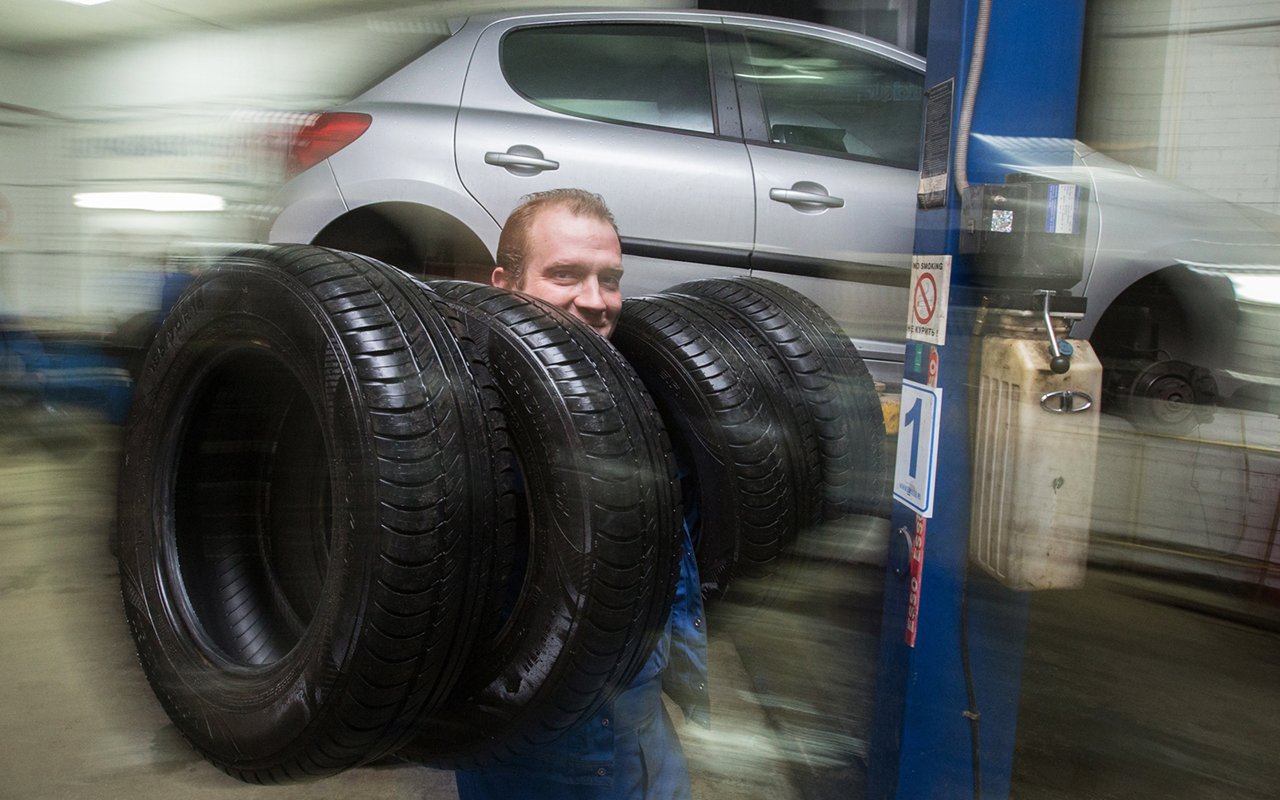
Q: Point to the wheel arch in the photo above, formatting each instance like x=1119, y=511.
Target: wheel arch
x=417, y=238
x=1186, y=313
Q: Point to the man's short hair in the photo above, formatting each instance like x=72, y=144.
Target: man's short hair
x=514, y=239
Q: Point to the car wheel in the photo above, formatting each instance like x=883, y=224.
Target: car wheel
x=1154, y=341
x=299, y=508
x=1164, y=397
x=835, y=391
x=597, y=551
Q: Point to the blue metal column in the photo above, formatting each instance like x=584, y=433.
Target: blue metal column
x=946, y=704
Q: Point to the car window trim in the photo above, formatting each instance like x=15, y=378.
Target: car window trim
x=755, y=124
x=716, y=103
x=818, y=151
x=724, y=90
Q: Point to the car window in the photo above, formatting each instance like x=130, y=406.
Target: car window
x=823, y=96
x=646, y=74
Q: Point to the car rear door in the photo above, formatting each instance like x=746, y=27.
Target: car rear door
x=641, y=112
x=833, y=133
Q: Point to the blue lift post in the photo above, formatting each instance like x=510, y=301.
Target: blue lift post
x=946, y=704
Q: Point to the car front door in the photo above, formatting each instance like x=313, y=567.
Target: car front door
x=833, y=133
x=640, y=112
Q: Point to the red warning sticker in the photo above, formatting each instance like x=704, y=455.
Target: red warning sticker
x=917, y=567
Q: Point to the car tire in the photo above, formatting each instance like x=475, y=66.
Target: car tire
x=837, y=395
x=602, y=508
x=302, y=519
x=493, y=447
x=730, y=429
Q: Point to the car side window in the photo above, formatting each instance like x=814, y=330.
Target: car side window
x=646, y=74
x=822, y=96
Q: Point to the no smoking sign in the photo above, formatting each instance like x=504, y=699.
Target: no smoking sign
x=930, y=284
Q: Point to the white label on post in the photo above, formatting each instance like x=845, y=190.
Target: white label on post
x=916, y=465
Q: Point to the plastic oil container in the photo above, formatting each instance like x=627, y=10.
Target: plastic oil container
x=1035, y=450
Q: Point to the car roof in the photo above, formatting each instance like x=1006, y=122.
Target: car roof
x=705, y=16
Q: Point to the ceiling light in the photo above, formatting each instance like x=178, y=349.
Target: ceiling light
x=86, y=2
x=151, y=201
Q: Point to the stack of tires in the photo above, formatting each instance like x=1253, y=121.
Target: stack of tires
x=360, y=515
x=769, y=405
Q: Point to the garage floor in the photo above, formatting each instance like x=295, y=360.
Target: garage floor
x=1133, y=687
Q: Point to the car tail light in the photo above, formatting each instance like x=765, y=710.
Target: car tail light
x=322, y=136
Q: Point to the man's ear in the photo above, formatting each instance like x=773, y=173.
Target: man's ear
x=500, y=279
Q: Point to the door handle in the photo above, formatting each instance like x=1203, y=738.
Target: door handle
x=806, y=196
x=521, y=159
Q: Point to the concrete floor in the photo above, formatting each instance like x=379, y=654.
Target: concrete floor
x=1161, y=678
x=1135, y=686
x=1135, y=689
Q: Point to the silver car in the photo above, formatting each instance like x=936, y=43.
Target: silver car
x=736, y=144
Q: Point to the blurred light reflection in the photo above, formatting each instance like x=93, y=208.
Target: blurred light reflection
x=151, y=201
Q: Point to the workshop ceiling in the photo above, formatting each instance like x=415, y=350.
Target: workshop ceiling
x=38, y=26
x=50, y=26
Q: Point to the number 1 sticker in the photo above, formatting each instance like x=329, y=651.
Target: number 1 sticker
x=916, y=465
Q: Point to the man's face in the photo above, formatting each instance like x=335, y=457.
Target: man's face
x=574, y=263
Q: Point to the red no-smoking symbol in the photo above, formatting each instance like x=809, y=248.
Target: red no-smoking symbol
x=924, y=300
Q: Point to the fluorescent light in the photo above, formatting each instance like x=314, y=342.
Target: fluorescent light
x=794, y=76
x=86, y=2
x=151, y=201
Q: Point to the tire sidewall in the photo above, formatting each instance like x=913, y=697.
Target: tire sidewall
x=231, y=708
x=602, y=552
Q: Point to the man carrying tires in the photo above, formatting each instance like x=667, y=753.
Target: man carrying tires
x=562, y=246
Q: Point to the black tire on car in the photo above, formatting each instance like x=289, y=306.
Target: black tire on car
x=837, y=393
x=301, y=514
x=599, y=552
x=750, y=465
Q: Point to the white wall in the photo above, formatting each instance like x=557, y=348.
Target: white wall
x=1190, y=88
x=37, y=259
x=179, y=114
